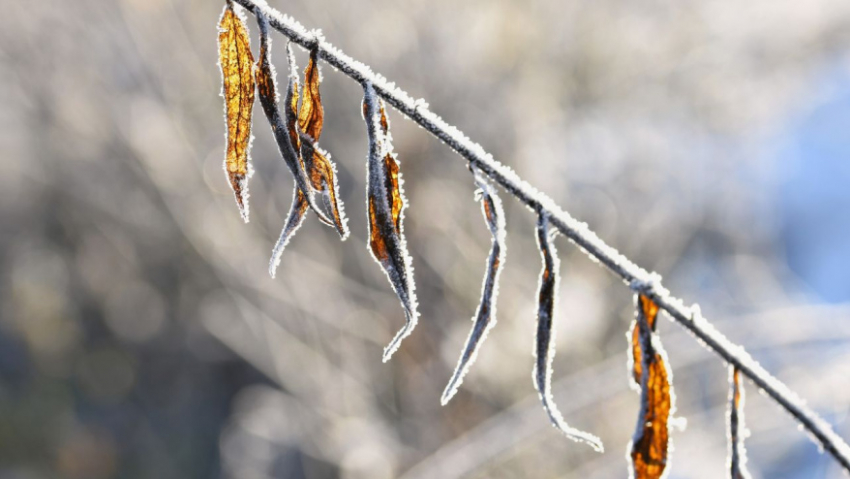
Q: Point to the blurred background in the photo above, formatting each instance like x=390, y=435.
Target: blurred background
x=141, y=336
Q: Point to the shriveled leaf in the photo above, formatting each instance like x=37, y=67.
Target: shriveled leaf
x=385, y=202
x=293, y=222
x=237, y=64
x=544, y=343
x=651, y=442
x=647, y=309
x=285, y=133
x=312, y=114
x=321, y=172
x=737, y=451
x=485, y=317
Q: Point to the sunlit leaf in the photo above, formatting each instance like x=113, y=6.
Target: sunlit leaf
x=544, y=351
x=312, y=114
x=649, y=310
x=737, y=451
x=385, y=203
x=651, y=442
x=237, y=65
x=321, y=171
x=485, y=317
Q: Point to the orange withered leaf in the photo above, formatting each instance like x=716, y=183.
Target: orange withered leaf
x=485, y=317
x=237, y=65
x=321, y=171
x=385, y=203
x=544, y=351
x=651, y=442
x=646, y=308
x=737, y=451
x=312, y=114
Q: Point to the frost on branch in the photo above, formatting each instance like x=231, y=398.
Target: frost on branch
x=737, y=451
x=485, y=317
x=237, y=74
x=544, y=351
x=385, y=205
x=650, y=445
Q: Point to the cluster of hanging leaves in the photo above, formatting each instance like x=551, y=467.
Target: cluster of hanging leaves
x=296, y=131
x=737, y=452
x=651, y=375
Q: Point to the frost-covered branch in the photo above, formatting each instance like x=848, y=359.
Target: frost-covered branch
x=640, y=280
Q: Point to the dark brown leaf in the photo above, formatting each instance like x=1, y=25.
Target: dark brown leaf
x=236, y=64
x=385, y=202
x=544, y=343
x=485, y=317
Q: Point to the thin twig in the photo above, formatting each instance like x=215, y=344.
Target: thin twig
x=637, y=278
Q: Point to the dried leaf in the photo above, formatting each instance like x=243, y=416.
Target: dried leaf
x=385, y=202
x=651, y=441
x=237, y=74
x=485, y=317
x=545, y=340
x=737, y=451
x=322, y=174
x=312, y=114
x=649, y=310
x=321, y=171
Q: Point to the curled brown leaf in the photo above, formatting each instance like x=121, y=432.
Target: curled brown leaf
x=237, y=62
x=321, y=171
x=544, y=351
x=651, y=442
x=312, y=114
x=385, y=203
